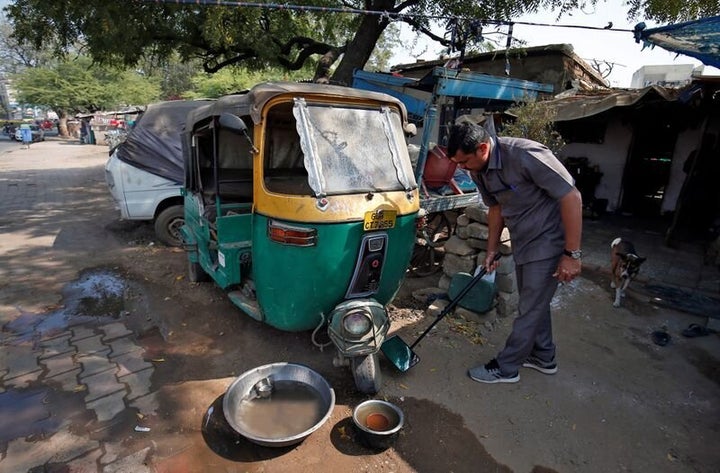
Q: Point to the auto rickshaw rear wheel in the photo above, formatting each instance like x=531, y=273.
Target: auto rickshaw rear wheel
x=366, y=373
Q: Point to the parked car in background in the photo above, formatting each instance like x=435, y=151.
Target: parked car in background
x=145, y=170
x=37, y=133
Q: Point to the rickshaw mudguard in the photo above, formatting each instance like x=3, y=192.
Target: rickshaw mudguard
x=297, y=285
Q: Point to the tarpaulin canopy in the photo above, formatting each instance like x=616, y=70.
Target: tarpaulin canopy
x=154, y=143
x=699, y=39
x=576, y=104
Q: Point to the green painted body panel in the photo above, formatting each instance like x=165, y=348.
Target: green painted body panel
x=220, y=258
x=295, y=285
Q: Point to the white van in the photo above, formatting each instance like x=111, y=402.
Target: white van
x=145, y=173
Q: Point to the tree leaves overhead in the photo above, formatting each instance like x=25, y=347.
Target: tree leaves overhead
x=127, y=32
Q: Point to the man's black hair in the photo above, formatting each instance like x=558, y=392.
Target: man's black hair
x=465, y=137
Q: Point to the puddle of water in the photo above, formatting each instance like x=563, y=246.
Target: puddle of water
x=95, y=297
x=26, y=414
x=97, y=293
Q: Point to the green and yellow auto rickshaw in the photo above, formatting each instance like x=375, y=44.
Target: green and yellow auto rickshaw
x=300, y=201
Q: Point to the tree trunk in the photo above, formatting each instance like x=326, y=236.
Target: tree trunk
x=62, y=124
x=363, y=43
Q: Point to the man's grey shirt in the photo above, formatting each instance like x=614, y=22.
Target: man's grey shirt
x=527, y=180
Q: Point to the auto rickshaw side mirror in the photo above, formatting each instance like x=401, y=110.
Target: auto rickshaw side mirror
x=410, y=129
x=232, y=122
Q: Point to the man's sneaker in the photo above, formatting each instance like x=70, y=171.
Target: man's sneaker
x=545, y=367
x=490, y=373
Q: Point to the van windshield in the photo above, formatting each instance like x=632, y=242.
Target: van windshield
x=350, y=149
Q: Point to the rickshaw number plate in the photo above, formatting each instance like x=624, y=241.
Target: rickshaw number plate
x=379, y=220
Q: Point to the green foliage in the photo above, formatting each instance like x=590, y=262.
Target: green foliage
x=228, y=81
x=133, y=31
x=78, y=85
x=534, y=120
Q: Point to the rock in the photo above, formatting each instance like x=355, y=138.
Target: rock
x=462, y=221
x=506, y=282
x=453, y=263
x=427, y=294
x=477, y=212
x=458, y=246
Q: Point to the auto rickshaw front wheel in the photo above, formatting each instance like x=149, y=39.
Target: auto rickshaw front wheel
x=196, y=273
x=366, y=373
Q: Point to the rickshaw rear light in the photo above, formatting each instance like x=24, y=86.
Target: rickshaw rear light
x=357, y=323
x=290, y=235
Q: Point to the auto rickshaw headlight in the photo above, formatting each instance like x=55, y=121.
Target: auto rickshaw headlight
x=357, y=323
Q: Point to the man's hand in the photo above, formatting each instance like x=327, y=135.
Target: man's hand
x=568, y=269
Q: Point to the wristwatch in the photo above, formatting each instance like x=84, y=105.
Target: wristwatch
x=575, y=254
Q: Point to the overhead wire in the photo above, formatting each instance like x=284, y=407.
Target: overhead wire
x=382, y=13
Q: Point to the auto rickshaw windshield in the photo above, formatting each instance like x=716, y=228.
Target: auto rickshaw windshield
x=352, y=149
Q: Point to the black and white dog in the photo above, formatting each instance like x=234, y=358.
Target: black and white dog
x=625, y=266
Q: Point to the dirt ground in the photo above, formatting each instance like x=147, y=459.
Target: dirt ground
x=618, y=403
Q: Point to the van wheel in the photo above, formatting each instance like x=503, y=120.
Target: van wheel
x=366, y=372
x=168, y=224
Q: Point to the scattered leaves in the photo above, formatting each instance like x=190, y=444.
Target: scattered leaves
x=343, y=433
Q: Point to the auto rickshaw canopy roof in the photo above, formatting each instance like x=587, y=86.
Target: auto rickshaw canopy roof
x=251, y=102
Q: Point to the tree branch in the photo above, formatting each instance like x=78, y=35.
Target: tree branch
x=308, y=47
x=209, y=67
x=427, y=32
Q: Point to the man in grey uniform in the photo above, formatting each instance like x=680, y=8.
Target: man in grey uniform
x=530, y=191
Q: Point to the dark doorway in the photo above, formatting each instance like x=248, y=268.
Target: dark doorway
x=648, y=167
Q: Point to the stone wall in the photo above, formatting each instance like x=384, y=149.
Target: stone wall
x=466, y=250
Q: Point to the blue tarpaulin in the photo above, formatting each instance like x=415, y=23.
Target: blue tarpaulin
x=699, y=38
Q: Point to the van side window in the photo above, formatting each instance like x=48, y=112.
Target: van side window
x=284, y=170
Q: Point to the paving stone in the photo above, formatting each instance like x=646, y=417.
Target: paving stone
x=90, y=345
x=80, y=333
x=101, y=384
x=93, y=364
x=122, y=346
x=87, y=463
x=147, y=405
x=24, y=380
x=62, y=447
x=112, y=452
x=108, y=407
x=56, y=346
x=58, y=364
x=68, y=381
x=130, y=363
x=136, y=463
x=19, y=361
x=115, y=330
x=138, y=383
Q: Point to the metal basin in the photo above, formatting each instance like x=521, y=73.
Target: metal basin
x=377, y=423
x=279, y=404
